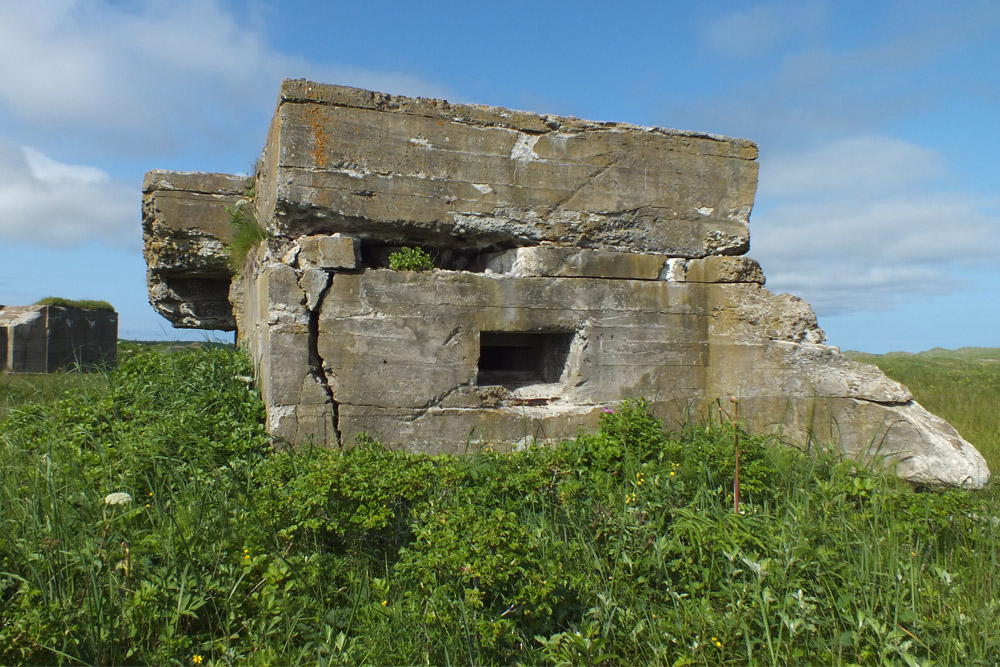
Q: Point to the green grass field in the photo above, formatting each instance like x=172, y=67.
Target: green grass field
x=619, y=547
x=19, y=390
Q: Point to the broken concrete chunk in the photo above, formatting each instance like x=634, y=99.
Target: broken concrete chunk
x=577, y=264
x=314, y=282
x=328, y=252
x=745, y=311
x=723, y=270
x=185, y=228
x=920, y=447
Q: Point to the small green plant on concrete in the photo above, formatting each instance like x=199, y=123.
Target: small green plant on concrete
x=87, y=304
x=248, y=233
x=410, y=259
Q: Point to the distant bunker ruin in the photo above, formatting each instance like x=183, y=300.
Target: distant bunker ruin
x=45, y=339
x=577, y=263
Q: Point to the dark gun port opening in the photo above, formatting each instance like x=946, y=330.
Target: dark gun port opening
x=516, y=359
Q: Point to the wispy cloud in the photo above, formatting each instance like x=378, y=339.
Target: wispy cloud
x=57, y=204
x=855, y=225
x=114, y=81
x=785, y=72
x=854, y=213
x=755, y=31
x=152, y=75
x=849, y=167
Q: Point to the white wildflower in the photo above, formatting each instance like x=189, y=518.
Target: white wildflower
x=120, y=498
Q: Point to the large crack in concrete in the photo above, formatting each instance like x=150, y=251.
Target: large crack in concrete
x=317, y=364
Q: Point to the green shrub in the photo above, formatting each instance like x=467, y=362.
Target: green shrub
x=410, y=259
x=620, y=546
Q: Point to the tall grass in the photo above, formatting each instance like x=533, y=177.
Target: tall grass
x=617, y=547
x=17, y=390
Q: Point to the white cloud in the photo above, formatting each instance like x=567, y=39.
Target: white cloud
x=110, y=81
x=155, y=75
x=849, y=215
x=850, y=166
x=853, y=225
x=47, y=170
x=52, y=203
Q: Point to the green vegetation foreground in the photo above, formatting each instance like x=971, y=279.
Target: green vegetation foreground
x=618, y=547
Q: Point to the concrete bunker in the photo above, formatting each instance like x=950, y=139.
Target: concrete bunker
x=577, y=263
x=45, y=339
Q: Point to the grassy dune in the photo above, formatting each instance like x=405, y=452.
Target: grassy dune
x=619, y=547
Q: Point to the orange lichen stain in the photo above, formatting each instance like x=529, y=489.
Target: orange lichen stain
x=319, y=152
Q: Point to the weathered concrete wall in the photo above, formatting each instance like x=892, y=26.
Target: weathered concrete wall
x=185, y=230
x=429, y=172
x=391, y=169
x=80, y=337
x=406, y=356
x=25, y=326
x=44, y=339
x=577, y=264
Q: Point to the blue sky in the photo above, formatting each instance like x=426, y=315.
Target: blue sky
x=879, y=192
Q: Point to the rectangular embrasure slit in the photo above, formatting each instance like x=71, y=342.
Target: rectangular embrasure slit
x=516, y=359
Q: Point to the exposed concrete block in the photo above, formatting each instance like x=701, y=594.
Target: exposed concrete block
x=26, y=338
x=714, y=270
x=186, y=227
x=328, y=252
x=410, y=171
x=79, y=337
x=431, y=172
